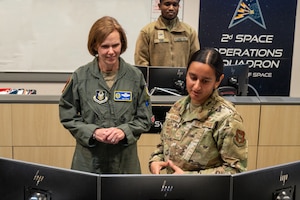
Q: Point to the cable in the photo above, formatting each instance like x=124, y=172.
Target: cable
x=253, y=88
x=163, y=90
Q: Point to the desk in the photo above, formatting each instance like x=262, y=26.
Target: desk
x=31, y=131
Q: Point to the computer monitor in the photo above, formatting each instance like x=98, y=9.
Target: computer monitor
x=165, y=187
x=235, y=82
x=167, y=80
x=159, y=113
x=271, y=183
x=144, y=70
x=30, y=181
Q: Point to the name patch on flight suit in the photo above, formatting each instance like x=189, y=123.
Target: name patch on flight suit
x=123, y=96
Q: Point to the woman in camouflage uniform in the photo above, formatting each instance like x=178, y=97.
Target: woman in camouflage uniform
x=203, y=133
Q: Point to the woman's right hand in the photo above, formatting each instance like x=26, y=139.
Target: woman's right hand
x=157, y=166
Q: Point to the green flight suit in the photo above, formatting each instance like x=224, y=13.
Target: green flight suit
x=87, y=103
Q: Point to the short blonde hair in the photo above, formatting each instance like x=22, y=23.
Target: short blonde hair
x=101, y=29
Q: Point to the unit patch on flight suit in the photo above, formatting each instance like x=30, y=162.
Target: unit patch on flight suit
x=123, y=96
x=100, y=96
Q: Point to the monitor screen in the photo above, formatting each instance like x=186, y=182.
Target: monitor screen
x=165, y=187
x=272, y=183
x=29, y=181
x=235, y=82
x=144, y=70
x=159, y=113
x=167, y=80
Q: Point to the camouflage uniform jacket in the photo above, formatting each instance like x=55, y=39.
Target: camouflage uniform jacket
x=87, y=104
x=208, y=140
x=159, y=46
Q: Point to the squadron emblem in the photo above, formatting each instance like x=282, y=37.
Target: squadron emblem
x=248, y=9
x=100, y=96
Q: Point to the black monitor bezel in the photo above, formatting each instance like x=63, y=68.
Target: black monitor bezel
x=240, y=72
x=145, y=72
x=264, y=183
x=22, y=179
x=165, y=186
x=173, y=80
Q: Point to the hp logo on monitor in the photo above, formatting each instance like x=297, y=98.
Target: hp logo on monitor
x=166, y=188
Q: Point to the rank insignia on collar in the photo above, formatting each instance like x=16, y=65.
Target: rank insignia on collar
x=123, y=96
x=100, y=97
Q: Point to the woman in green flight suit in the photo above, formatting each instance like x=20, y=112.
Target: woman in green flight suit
x=106, y=105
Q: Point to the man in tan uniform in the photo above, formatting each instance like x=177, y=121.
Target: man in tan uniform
x=167, y=41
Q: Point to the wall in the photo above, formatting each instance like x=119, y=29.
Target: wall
x=191, y=16
x=295, y=81
x=52, y=35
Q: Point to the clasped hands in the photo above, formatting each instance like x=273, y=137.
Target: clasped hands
x=157, y=166
x=109, y=135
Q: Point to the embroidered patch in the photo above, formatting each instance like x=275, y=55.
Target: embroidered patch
x=153, y=119
x=160, y=34
x=208, y=124
x=156, y=41
x=147, y=103
x=239, y=138
x=100, y=96
x=123, y=96
x=173, y=117
x=67, y=84
x=180, y=39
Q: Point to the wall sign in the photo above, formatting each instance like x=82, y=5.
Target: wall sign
x=259, y=33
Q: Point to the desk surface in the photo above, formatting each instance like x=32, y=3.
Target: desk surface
x=166, y=99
